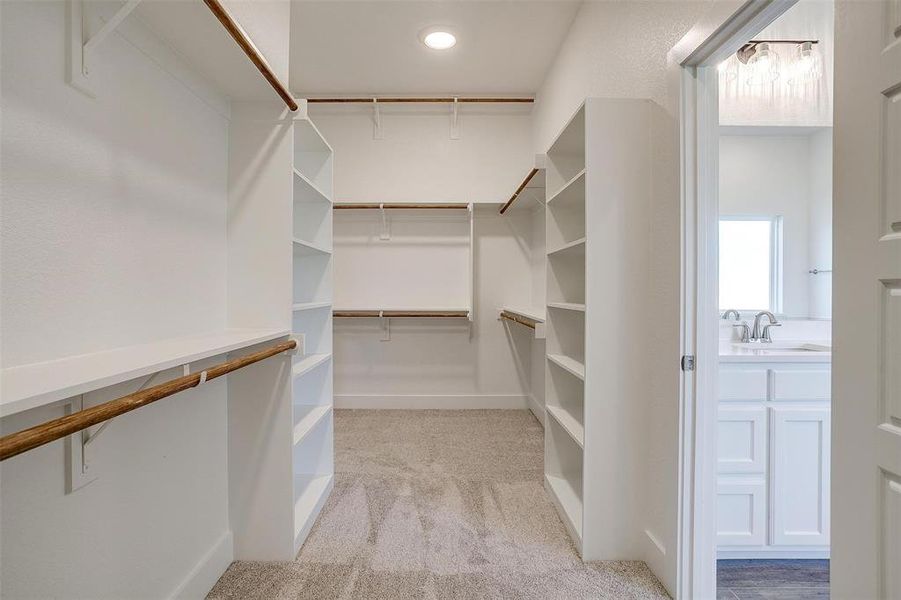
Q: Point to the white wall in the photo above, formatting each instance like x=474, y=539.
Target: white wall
x=113, y=233
x=619, y=49
x=820, y=253
x=434, y=363
x=789, y=176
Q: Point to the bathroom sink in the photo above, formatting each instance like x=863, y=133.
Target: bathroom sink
x=781, y=347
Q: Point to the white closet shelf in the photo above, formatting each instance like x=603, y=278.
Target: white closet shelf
x=568, y=364
x=305, y=247
x=567, y=306
x=534, y=314
x=301, y=306
x=308, y=363
x=38, y=384
x=569, y=501
x=573, y=247
x=305, y=422
x=310, y=493
x=305, y=181
x=568, y=422
x=561, y=197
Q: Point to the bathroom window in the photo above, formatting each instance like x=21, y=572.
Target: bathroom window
x=751, y=263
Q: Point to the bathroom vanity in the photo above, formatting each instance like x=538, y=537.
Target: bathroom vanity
x=773, y=450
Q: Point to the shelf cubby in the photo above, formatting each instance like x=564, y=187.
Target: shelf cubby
x=566, y=334
x=566, y=215
x=566, y=156
x=312, y=214
x=313, y=157
x=565, y=397
x=563, y=476
x=316, y=325
x=312, y=278
x=566, y=277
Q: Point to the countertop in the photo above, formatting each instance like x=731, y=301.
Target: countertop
x=777, y=352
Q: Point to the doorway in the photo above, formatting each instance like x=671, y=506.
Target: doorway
x=756, y=480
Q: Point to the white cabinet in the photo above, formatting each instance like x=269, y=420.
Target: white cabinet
x=773, y=459
x=800, y=476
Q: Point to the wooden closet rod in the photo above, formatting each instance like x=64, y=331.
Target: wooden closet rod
x=399, y=206
x=251, y=51
x=368, y=314
x=517, y=319
x=420, y=100
x=519, y=190
x=28, y=439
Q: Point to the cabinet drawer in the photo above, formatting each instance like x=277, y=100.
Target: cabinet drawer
x=802, y=385
x=743, y=384
x=740, y=512
x=741, y=440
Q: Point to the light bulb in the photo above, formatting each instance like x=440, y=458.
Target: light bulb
x=807, y=66
x=763, y=66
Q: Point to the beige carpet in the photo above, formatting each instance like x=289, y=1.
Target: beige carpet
x=438, y=505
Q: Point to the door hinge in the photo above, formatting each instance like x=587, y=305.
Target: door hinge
x=688, y=362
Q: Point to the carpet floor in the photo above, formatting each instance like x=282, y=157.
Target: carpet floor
x=438, y=505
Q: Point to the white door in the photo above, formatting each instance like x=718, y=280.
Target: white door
x=866, y=482
x=800, y=476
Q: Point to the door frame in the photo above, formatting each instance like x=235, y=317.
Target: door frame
x=692, y=65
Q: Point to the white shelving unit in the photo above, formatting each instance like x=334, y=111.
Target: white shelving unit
x=596, y=191
x=312, y=371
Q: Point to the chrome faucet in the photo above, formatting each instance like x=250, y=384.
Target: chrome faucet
x=763, y=335
x=736, y=316
x=745, y=331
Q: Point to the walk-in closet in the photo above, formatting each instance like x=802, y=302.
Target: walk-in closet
x=310, y=299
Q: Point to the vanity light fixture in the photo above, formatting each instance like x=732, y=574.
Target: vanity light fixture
x=763, y=64
x=438, y=38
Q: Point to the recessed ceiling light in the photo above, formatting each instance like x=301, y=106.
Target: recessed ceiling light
x=438, y=39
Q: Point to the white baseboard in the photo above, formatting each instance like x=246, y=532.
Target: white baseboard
x=452, y=402
x=537, y=409
x=207, y=571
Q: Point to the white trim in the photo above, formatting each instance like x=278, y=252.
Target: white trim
x=201, y=579
x=447, y=402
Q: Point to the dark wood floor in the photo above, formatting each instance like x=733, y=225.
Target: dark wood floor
x=772, y=579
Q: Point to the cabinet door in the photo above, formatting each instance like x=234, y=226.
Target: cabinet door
x=740, y=512
x=741, y=439
x=800, y=476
